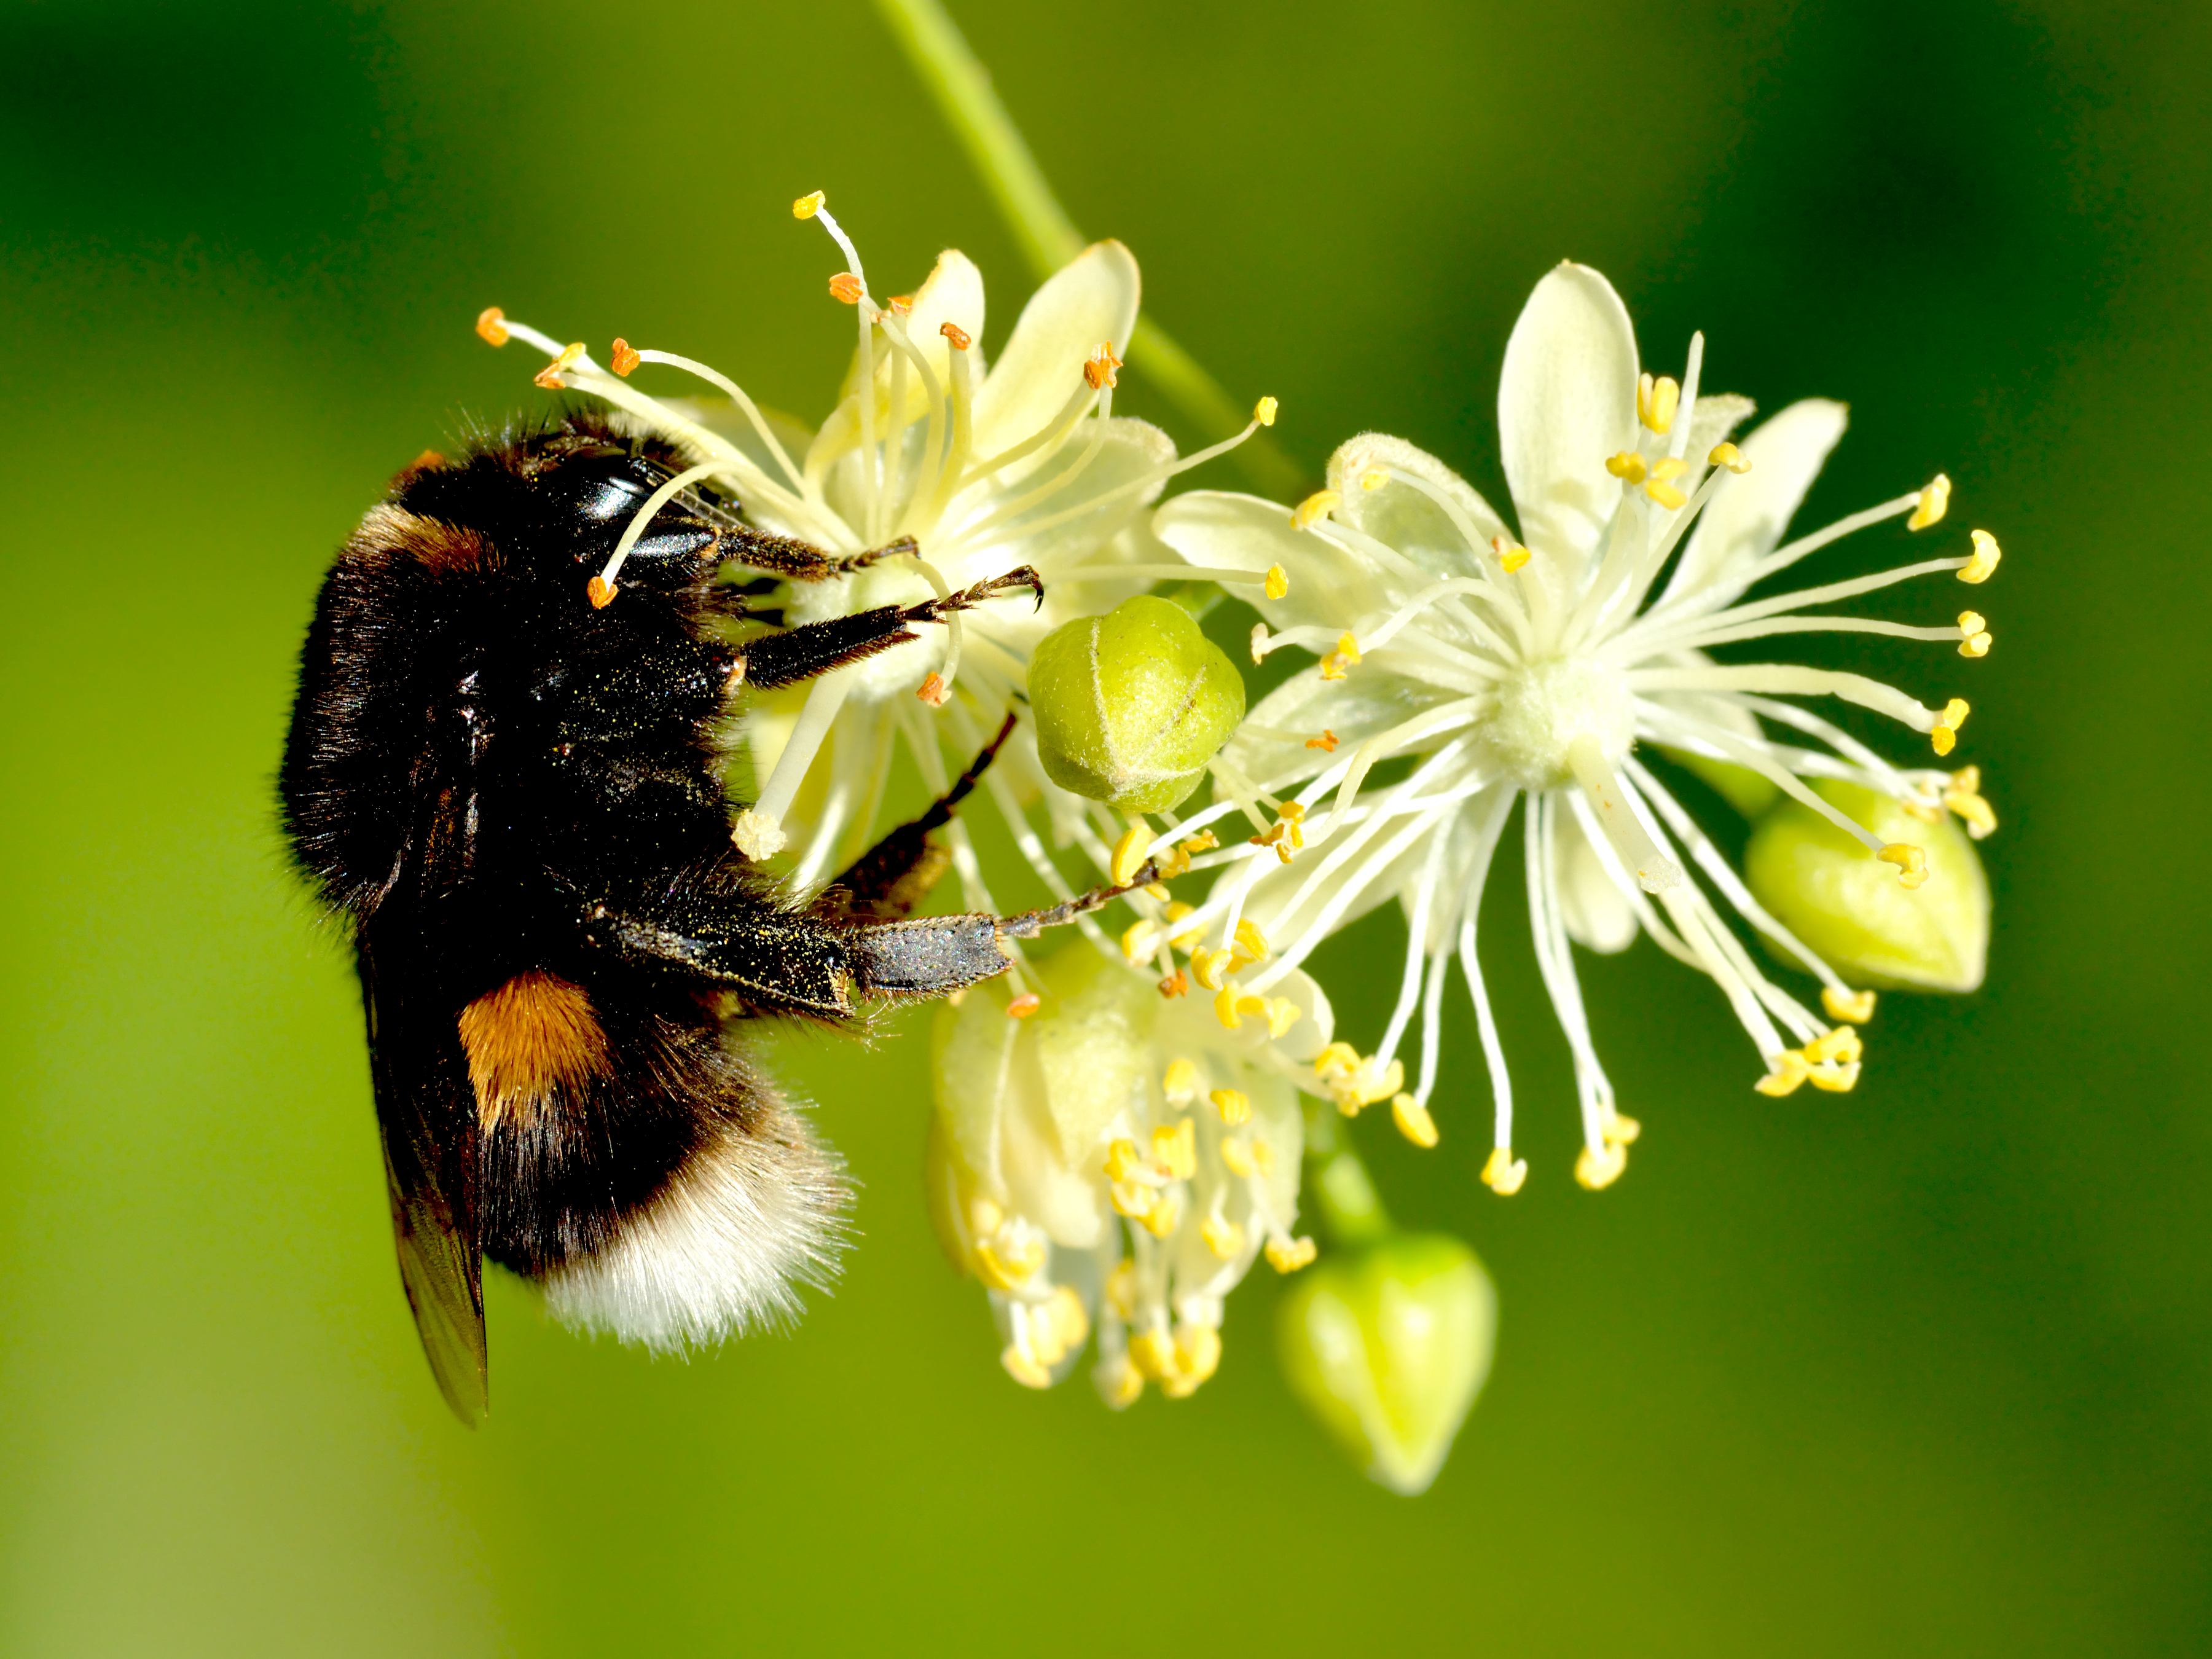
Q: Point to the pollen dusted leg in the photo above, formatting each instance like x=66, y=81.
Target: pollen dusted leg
x=897, y=874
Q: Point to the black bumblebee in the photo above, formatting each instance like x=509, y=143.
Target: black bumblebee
x=506, y=777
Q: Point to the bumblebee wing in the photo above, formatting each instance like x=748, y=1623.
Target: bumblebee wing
x=427, y=1111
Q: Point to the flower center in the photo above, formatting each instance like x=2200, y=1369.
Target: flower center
x=1543, y=708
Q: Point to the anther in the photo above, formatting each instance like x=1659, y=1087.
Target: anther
x=1934, y=502
x=1023, y=1006
x=808, y=205
x=622, y=357
x=1511, y=555
x=1224, y=1238
x=1981, y=564
x=1258, y=643
x=1374, y=478
x=1314, y=508
x=1974, y=638
x=1237, y=1156
x=1727, y=455
x=1598, y=1170
x=1282, y=1014
x=550, y=376
x=1179, y=1083
x=1656, y=402
x=1287, y=1255
x=1251, y=940
x=1099, y=367
x=492, y=326
x=1122, y=1161
x=845, y=287
x=1503, y=1173
x=1230, y=1006
x=1278, y=581
x=1129, y=853
x=1787, y=1073
x=1945, y=737
x=901, y=305
x=1911, y=861
x=959, y=337
x=1627, y=466
x=1618, y=1131
x=1206, y=966
x=1413, y=1120
x=1176, y=1149
x=600, y=592
x=1338, y=663
x=1326, y=742
x=1665, y=493
x=1137, y=941
x=1234, y=1105
x=1175, y=985
x=1964, y=797
x=1263, y=412
x=1856, y=1007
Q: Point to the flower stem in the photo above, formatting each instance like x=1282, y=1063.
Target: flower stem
x=961, y=85
x=1338, y=1183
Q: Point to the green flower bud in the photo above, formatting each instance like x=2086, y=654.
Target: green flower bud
x=1388, y=1346
x=1739, y=785
x=1131, y=706
x=1826, y=888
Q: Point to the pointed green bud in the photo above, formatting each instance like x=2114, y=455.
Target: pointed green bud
x=1389, y=1346
x=1131, y=706
x=1848, y=906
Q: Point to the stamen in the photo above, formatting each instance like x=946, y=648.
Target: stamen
x=1503, y=1173
x=808, y=205
x=1788, y=1070
x=1934, y=502
x=1597, y=1170
x=1263, y=412
x=1338, y=663
x=1654, y=871
x=1963, y=796
x=1224, y=1238
x=602, y=588
x=1656, y=402
x=1315, y=507
x=1287, y=1255
x=492, y=326
x=550, y=376
x=1374, y=478
x=1974, y=640
x=1100, y=367
x=1511, y=555
x=1727, y=455
x=959, y=337
x=846, y=286
x=622, y=358
x=1627, y=466
x=1129, y=852
x=1234, y=1105
x=1023, y=1006
x=1326, y=742
x=1982, y=564
x=1413, y=1120
x=1911, y=861
x=1278, y=581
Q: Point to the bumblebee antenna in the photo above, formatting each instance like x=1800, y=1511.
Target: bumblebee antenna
x=1030, y=923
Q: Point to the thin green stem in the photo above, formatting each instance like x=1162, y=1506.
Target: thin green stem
x=1337, y=1181
x=946, y=65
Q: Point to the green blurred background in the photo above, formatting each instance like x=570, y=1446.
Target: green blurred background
x=1926, y=1368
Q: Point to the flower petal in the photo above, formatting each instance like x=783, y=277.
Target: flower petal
x=1403, y=517
x=1566, y=400
x=1067, y=522
x=1271, y=743
x=1329, y=586
x=1090, y=300
x=1744, y=521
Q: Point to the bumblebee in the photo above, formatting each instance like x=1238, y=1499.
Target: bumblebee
x=503, y=775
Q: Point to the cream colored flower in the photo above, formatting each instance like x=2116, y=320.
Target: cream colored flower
x=1502, y=665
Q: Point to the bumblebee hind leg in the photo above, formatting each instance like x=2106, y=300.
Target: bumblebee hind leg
x=896, y=874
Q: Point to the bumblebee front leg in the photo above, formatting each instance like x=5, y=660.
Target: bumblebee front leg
x=812, y=648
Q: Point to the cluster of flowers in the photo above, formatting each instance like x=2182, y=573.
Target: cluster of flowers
x=1122, y=1124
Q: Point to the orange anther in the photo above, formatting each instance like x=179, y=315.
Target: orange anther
x=846, y=287
x=1176, y=984
x=601, y=593
x=623, y=358
x=932, y=692
x=491, y=324
x=961, y=339
x=1025, y=1005
x=1326, y=742
x=1098, y=368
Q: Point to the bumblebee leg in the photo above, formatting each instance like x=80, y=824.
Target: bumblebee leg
x=896, y=874
x=801, y=561
x=812, y=648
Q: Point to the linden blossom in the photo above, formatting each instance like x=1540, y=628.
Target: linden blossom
x=950, y=473
x=1506, y=668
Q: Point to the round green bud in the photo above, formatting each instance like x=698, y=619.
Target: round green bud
x=1131, y=706
x=1389, y=1346
x=1848, y=906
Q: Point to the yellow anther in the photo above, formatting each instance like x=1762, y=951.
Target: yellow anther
x=1598, y=1170
x=1237, y=1156
x=1224, y=1238
x=1963, y=796
x=1121, y=1288
x=1618, y=1131
x=1511, y=555
x=1137, y=940
x=1291, y=811
x=1974, y=634
x=1934, y=502
x=1278, y=581
x=1855, y=1005
x=845, y=288
x=1788, y=1069
x=492, y=326
x=1251, y=940
x=1282, y=1014
x=1656, y=402
x=960, y=337
x=1982, y=563
x=1122, y=1159
x=1234, y=1105
x=1121, y=1384
x=1259, y=642
x=622, y=357
x=1911, y=861
x=1129, y=853
x=1004, y=1273
x=1156, y=889
x=1230, y=1007
x=1326, y=742
x=1945, y=737
x=1413, y=1120
x=1673, y=467
x=1177, y=1148
x=1160, y=1220
x=1101, y=367
x=1666, y=495
x=900, y=304
x=1023, y=1006
x=1627, y=466
x=1180, y=1082
x=1374, y=478
x=1264, y=1155
x=1838, y=1079
x=808, y=205
x=1197, y=1353
x=985, y=1217
x=1727, y=455
x=1022, y=1369
x=1840, y=1042
x=1287, y=1255
x=1503, y=1173
x=550, y=376
x=1206, y=966
x=1313, y=509
x=1177, y=911
x=1134, y=1200
x=1263, y=412
x=1347, y=647
x=1335, y=1057
x=1152, y=1352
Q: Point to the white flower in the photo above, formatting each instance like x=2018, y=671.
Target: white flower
x=1506, y=667
x=1106, y=1156
x=986, y=470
